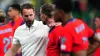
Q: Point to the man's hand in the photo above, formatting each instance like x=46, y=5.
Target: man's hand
x=54, y=24
x=13, y=50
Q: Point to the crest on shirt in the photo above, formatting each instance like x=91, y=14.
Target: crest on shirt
x=63, y=39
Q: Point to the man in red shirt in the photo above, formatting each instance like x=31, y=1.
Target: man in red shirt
x=14, y=14
x=75, y=33
x=6, y=34
x=16, y=18
x=97, y=23
x=53, y=46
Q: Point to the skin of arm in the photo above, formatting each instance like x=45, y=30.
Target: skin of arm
x=13, y=50
x=94, y=44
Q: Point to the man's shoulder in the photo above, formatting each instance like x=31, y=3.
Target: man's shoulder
x=37, y=23
x=45, y=27
x=40, y=25
x=21, y=27
x=58, y=28
x=40, y=22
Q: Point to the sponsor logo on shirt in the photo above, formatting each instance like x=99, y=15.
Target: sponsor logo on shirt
x=63, y=47
x=79, y=28
x=5, y=30
x=84, y=39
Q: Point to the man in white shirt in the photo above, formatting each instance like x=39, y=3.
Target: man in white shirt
x=31, y=36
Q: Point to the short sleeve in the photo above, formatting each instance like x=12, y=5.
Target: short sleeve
x=90, y=31
x=15, y=39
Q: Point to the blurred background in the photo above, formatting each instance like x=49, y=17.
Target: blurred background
x=83, y=9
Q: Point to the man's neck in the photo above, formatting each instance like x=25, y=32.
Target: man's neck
x=66, y=18
x=15, y=18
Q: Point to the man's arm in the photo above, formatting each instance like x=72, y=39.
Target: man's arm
x=13, y=50
x=94, y=44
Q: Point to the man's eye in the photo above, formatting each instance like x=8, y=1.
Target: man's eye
x=25, y=15
x=31, y=14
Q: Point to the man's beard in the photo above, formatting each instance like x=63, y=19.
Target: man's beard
x=44, y=23
x=29, y=23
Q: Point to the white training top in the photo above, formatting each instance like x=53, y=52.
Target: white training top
x=33, y=40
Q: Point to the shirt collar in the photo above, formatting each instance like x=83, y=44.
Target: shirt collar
x=73, y=19
x=35, y=23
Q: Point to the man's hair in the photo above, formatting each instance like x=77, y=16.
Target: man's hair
x=15, y=6
x=98, y=16
x=2, y=16
x=27, y=6
x=65, y=5
x=47, y=9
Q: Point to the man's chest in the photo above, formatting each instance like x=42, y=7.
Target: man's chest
x=32, y=36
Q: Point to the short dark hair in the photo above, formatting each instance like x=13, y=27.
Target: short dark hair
x=15, y=6
x=98, y=16
x=27, y=6
x=47, y=9
x=2, y=16
x=65, y=5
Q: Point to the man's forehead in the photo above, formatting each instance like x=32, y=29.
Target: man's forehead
x=10, y=8
x=28, y=11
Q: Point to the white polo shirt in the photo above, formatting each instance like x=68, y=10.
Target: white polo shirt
x=33, y=40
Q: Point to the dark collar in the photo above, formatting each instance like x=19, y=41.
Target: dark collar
x=51, y=29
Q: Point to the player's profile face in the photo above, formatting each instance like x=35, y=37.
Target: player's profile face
x=11, y=12
x=43, y=17
x=97, y=22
